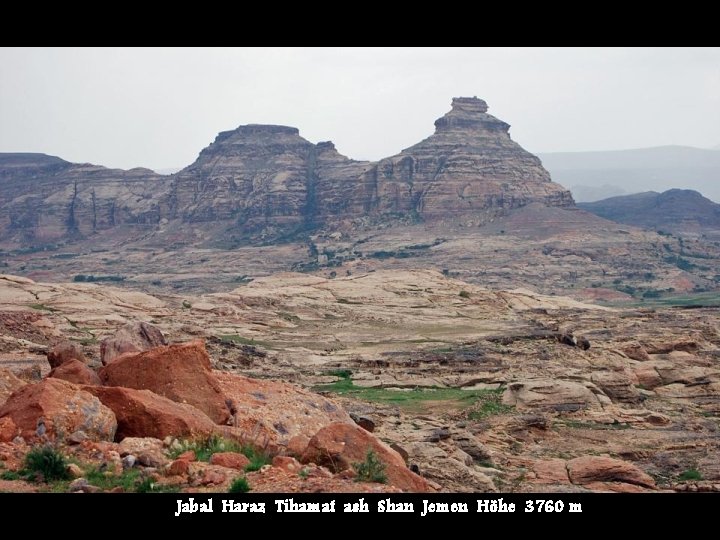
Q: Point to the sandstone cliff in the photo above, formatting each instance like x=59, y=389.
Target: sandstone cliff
x=267, y=181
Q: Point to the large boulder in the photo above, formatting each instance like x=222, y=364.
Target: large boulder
x=340, y=446
x=141, y=413
x=553, y=394
x=276, y=411
x=63, y=352
x=617, y=385
x=591, y=469
x=54, y=409
x=181, y=373
x=76, y=372
x=8, y=384
x=133, y=337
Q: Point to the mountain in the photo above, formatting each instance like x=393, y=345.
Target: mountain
x=646, y=169
x=676, y=210
x=264, y=182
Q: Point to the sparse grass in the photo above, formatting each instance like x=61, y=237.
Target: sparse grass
x=11, y=475
x=205, y=447
x=107, y=481
x=42, y=307
x=304, y=474
x=239, y=485
x=416, y=398
x=46, y=464
x=690, y=474
x=234, y=338
x=258, y=459
x=342, y=373
x=371, y=470
x=489, y=404
x=147, y=485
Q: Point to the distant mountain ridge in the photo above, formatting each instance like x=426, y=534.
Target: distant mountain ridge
x=672, y=210
x=645, y=169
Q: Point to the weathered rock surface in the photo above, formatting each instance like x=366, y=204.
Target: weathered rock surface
x=8, y=384
x=65, y=352
x=134, y=337
x=231, y=460
x=76, y=372
x=147, y=451
x=588, y=469
x=340, y=446
x=142, y=413
x=179, y=372
x=54, y=409
x=268, y=179
x=558, y=395
x=274, y=411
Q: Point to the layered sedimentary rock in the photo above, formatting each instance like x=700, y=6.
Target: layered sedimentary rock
x=268, y=179
x=468, y=167
x=45, y=199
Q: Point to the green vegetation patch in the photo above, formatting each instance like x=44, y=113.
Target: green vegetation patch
x=371, y=470
x=690, y=474
x=483, y=402
x=205, y=447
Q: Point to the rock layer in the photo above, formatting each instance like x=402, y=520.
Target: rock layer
x=265, y=180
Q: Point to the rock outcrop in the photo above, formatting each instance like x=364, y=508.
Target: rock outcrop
x=133, y=337
x=64, y=352
x=55, y=409
x=76, y=372
x=178, y=372
x=344, y=446
x=141, y=413
x=262, y=181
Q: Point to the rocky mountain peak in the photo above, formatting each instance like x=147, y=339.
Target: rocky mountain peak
x=469, y=114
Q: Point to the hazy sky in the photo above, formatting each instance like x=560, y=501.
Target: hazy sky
x=159, y=107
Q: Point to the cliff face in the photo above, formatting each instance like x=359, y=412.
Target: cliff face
x=468, y=169
x=45, y=199
x=260, y=177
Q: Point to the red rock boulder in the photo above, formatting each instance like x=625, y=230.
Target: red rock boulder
x=65, y=352
x=181, y=373
x=54, y=409
x=591, y=469
x=8, y=429
x=341, y=446
x=231, y=460
x=8, y=384
x=274, y=411
x=76, y=372
x=141, y=413
x=134, y=337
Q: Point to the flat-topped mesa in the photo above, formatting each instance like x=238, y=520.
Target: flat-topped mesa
x=469, y=113
x=267, y=181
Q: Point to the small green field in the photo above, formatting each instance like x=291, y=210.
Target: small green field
x=479, y=403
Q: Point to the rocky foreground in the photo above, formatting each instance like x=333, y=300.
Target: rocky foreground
x=453, y=387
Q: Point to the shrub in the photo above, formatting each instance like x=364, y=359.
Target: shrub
x=464, y=294
x=47, y=464
x=371, y=470
x=690, y=474
x=257, y=458
x=239, y=485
